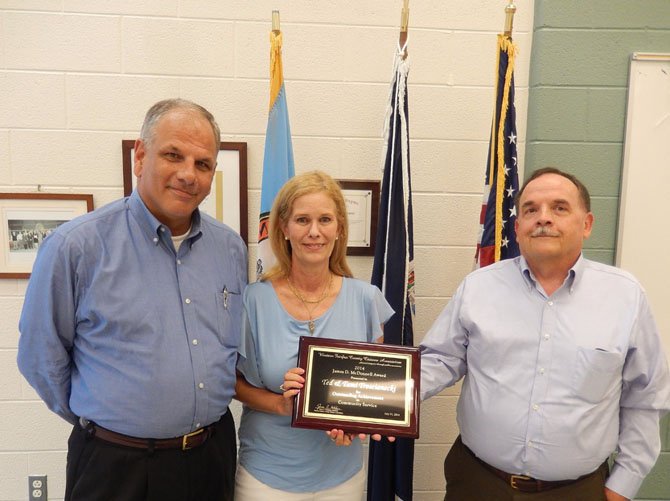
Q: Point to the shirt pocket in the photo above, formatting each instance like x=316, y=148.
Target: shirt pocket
x=229, y=315
x=597, y=372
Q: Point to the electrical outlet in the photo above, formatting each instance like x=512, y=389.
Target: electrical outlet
x=37, y=487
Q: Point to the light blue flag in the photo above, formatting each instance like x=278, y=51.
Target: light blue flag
x=278, y=166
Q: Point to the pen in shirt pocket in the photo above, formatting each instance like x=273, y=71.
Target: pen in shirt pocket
x=226, y=295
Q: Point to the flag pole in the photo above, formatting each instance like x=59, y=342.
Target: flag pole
x=509, y=18
x=404, y=22
x=275, y=21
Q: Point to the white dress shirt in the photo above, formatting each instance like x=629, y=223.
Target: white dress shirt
x=553, y=385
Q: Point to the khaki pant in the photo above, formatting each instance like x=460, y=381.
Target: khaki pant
x=468, y=480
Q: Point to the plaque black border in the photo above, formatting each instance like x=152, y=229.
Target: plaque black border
x=300, y=420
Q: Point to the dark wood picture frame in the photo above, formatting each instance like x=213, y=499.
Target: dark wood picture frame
x=362, y=197
x=358, y=387
x=240, y=216
x=26, y=218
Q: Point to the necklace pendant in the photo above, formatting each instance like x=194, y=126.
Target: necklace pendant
x=310, y=324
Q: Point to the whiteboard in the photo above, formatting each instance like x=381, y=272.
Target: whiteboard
x=643, y=241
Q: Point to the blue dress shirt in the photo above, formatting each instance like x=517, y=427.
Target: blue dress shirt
x=119, y=328
x=553, y=385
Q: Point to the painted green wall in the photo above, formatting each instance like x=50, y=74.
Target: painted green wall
x=576, y=118
x=577, y=100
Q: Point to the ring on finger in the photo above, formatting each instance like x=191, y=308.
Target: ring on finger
x=281, y=387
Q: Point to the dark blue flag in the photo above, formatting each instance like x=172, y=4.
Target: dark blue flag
x=497, y=239
x=390, y=465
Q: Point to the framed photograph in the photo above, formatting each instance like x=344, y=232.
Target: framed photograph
x=26, y=219
x=358, y=387
x=227, y=202
x=362, y=198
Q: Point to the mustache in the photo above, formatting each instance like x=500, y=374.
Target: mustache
x=543, y=231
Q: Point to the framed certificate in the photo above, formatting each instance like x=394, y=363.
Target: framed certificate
x=362, y=199
x=358, y=387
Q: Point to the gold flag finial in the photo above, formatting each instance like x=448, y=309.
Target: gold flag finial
x=404, y=16
x=509, y=18
x=404, y=23
x=275, y=21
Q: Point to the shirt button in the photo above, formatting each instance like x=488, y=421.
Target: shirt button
x=178, y=261
x=187, y=301
x=162, y=230
x=530, y=444
x=535, y=407
x=197, y=425
x=542, y=370
x=546, y=337
x=550, y=303
x=155, y=239
x=201, y=385
x=195, y=342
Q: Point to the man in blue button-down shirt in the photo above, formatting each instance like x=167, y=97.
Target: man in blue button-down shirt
x=562, y=364
x=131, y=325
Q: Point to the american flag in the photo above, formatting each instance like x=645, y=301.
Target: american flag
x=497, y=239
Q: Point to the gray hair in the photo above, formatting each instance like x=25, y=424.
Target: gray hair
x=158, y=110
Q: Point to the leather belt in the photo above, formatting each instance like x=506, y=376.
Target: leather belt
x=184, y=442
x=523, y=483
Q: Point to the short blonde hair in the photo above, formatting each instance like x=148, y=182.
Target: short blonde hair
x=296, y=187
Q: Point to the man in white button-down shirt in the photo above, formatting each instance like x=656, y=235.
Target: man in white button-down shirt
x=562, y=364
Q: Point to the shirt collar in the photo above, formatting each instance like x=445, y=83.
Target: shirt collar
x=571, y=281
x=153, y=227
x=576, y=272
x=527, y=275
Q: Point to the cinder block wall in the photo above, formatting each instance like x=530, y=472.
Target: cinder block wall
x=576, y=119
x=76, y=77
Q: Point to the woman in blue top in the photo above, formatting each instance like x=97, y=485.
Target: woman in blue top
x=309, y=291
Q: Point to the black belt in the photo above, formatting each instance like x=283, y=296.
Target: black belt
x=524, y=483
x=184, y=442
